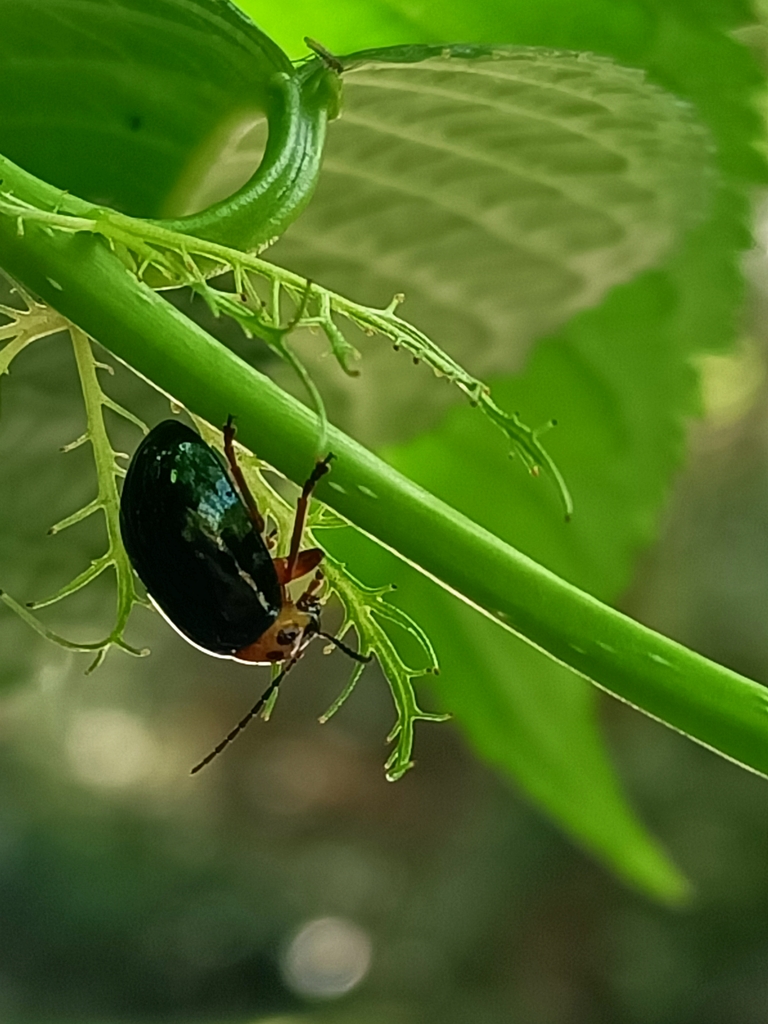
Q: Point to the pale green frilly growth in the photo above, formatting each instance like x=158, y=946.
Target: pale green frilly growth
x=25, y=326
x=164, y=256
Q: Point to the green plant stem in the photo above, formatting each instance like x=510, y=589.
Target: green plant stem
x=84, y=281
x=298, y=109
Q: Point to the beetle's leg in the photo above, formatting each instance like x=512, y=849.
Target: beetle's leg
x=305, y=603
x=306, y=561
x=294, y=554
x=306, y=600
x=250, y=503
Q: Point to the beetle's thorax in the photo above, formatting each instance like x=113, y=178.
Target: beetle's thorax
x=284, y=640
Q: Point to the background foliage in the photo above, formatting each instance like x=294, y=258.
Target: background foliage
x=475, y=907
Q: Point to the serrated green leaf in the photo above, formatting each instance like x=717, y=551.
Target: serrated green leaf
x=502, y=190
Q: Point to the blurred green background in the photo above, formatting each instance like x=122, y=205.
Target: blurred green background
x=289, y=882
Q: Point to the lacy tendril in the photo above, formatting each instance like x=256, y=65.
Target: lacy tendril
x=162, y=257
x=106, y=501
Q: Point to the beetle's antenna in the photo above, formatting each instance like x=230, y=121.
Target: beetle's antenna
x=354, y=655
x=244, y=721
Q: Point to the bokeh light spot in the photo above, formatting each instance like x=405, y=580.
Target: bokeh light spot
x=327, y=958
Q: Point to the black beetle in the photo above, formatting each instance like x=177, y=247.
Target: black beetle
x=195, y=537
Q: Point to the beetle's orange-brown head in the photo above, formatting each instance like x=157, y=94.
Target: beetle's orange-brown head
x=285, y=639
